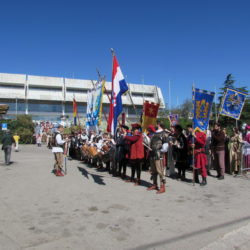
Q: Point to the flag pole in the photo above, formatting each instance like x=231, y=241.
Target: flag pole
x=215, y=106
x=169, y=97
x=193, y=97
x=131, y=100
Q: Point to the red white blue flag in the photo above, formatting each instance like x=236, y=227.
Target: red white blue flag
x=119, y=87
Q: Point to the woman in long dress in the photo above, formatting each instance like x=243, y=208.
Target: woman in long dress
x=235, y=144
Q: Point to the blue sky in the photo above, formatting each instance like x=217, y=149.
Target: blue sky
x=183, y=41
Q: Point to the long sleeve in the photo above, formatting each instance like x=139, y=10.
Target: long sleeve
x=132, y=139
x=59, y=140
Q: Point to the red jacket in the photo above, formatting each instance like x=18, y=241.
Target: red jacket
x=136, y=146
x=199, y=150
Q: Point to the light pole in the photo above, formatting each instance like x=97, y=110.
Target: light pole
x=16, y=107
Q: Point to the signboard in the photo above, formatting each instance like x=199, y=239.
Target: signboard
x=4, y=126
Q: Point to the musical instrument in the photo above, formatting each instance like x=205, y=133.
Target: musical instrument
x=92, y=151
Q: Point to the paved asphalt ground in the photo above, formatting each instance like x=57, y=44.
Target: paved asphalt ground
x=88, y=209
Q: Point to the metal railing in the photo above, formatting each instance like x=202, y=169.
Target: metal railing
x=245, y=158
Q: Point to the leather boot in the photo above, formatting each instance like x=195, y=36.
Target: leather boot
x=152, y=187
x=137, y=182
x=162, y=189
x=59, y=173
x=204, y=181
x=196, y=177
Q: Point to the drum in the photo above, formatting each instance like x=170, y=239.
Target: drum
x=92, y=151
x=105, y=148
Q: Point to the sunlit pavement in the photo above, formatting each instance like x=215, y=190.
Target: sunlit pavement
x=89, y=209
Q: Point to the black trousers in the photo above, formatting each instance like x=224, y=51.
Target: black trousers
x=123, y=166
x=136, y=167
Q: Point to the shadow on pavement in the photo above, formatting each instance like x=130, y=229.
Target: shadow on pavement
x=97, y=178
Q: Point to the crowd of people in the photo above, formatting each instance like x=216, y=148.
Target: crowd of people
x=158, y=150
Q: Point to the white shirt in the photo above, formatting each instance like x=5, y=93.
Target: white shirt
x=84, y=137
x=59, y=142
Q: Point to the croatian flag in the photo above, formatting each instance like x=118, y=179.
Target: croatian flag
x=119, y=87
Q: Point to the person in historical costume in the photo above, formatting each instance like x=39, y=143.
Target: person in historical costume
x=171, y=155
x=136, y=154
x=180, y=150
x=246, y=149
x=146, y=141
x=121, y=151
x=190, y=141
x=57, y=149
x=208, y=150
x=200, y=158
x=227, y=152
x=218, y=150
x=159, y=146
x=235, y=144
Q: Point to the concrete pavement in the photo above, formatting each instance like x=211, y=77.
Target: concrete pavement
x=88, y=209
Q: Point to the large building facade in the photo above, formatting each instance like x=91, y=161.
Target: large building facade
x=50, y=98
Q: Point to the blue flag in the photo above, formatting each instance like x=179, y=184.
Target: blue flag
x=233, y=103
x=203, y=101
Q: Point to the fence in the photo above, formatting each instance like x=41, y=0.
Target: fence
x=245, y=158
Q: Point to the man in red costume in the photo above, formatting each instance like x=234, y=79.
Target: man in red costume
x=200, y=158
x=136, y=152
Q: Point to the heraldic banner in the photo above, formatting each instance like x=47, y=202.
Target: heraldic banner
x=89, y=113
x=173, y=119
x=97, y=102
x=233, y=103
x=203, y=101
x=150, y=111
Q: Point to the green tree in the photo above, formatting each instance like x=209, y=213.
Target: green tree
x=24, y=127
x=228, y=83
x=186, y=109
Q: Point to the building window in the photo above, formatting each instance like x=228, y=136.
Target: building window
x=46, y=89
x=81, y=91
x=9, y=86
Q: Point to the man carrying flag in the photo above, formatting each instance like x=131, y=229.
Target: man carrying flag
x=119, y=87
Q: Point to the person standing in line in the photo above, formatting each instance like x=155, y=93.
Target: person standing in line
x=57, y=149
x=200, y=159
x=136, y=152
x=159, y=146
x=208, y=151
x=16, y=139
x=7, y=142
x=218, y=149
x=180, y=149
x=121, y=152
x=227, y=153
x=235, y=144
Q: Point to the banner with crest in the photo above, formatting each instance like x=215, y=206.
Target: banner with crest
x=173, y=119
x=202, y=101
x=233, y=103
